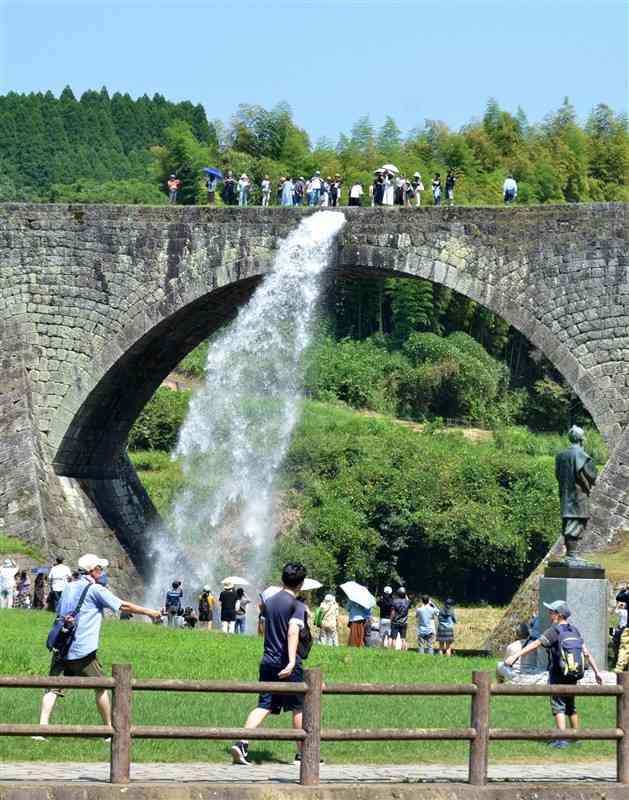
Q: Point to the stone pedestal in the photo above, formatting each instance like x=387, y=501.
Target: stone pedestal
x=585, y=592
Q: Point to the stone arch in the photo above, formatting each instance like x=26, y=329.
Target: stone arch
x=94, y=296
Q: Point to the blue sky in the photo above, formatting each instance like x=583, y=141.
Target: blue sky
x=332, y=60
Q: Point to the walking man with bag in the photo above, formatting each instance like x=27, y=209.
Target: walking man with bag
x=84, y=601
x=566, y=664
x=284, y=619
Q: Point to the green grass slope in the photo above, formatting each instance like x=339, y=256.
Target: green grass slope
x=157, y=652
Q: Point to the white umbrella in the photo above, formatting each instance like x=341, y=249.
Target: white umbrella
x=391, y=168
x=269, y=592
x=311, y=583
x=236, y=580
x=358, y=594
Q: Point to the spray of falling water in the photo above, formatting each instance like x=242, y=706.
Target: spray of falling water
x=239, y=423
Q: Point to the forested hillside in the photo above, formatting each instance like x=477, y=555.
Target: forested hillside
x=102, y=148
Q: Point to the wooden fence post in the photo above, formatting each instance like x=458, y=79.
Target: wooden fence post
x=622, y=721
x=311, y=749
x=121, y=722
x=479, y=746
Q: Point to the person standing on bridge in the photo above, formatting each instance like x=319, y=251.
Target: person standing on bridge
x=174, y=184
x=81, y=660
x=418, y=188
x=436, y=189
x=288, y=191
x=243, y=190
x=450, y=184
x=265, y=186
x=509, y=190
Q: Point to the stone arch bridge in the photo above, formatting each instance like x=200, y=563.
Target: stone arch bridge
x=99, y=303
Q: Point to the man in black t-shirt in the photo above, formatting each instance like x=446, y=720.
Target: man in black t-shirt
x=399, y=617
x=227, y=599
x=561, y=705
x=284, y=617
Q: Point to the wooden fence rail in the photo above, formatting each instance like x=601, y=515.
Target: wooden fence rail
x=479, y=734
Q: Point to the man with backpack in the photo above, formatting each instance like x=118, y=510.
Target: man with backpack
x=173, y=603
x=566, y=664
x=285, y=635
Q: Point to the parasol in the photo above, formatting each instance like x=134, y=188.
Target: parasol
x=311, y=583
x=358, y=594
x=235, y=580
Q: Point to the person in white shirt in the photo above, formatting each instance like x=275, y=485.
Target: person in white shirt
x=509, y=190
x=8, y=571
x=58, y=576
x=389, y=190
x=266, y=191
x=355, y=194
x=243, y=190
x=314, y=189
x=418, y=188
x=514, y=649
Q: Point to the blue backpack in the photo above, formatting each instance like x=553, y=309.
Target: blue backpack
x=173, y=601
x=567, y=653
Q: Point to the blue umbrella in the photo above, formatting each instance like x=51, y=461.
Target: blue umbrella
x=215, y=173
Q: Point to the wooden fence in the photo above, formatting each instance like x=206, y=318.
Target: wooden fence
x=479, y=733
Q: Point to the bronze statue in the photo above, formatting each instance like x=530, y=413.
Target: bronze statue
x=576, y=475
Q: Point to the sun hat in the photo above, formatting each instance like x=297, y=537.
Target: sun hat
x=416, y=175
x=559, y=607
x=227, y=584
x=89, y=561
x=388, y=590
x=329, y=598
x=7, y=562
x=401, y=591
x=206, y=588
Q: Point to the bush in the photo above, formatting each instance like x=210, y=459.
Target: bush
x=158, y=425
x=379, y=502
x=452, y=377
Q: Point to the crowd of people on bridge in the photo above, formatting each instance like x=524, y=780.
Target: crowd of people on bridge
x=388, y=188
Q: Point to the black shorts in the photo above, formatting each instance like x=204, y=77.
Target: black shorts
x=275, y=703
x=397, y=628
x=561, y=703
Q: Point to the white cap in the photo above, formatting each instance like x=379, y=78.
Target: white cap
x=206, y=588
x=329, y=598
x=388, y=590
x=89, y=561
x=8, y=562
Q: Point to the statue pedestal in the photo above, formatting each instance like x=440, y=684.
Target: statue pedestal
x=584, y=588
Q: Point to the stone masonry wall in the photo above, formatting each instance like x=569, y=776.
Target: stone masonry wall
x=99, y=303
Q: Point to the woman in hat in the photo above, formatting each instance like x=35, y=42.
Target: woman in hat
x=328, y=614
x=418, y=188
x=243, y=190
x=228, y=599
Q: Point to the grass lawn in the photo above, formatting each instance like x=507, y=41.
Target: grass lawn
x=159, y=652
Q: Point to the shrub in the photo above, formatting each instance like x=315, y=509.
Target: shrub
x=158, y=425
